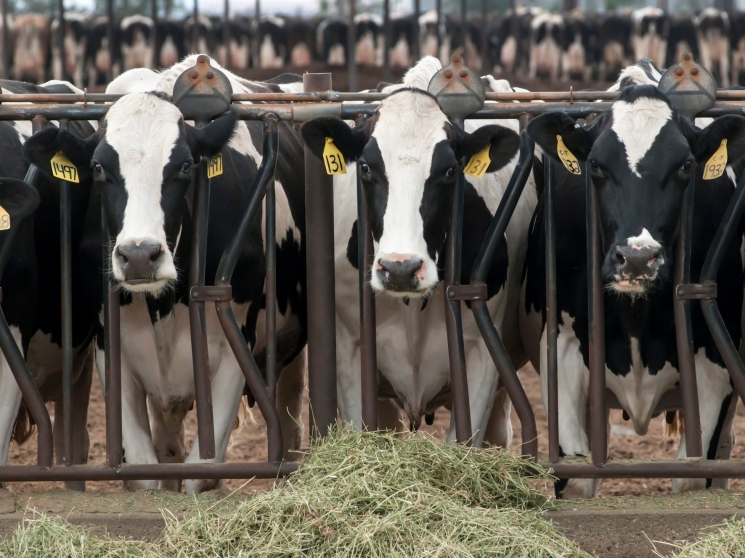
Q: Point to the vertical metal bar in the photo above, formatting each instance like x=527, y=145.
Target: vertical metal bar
x=416, y=50
x=438, y=9
x=464, y=27
x=226, y=34
x=197, y=321
x=112, y=352
x=271, y=291
x=319, y=243
x=552, y=317
x=61, y=36
x=66, y=297
x=596, y=329
x=110, y=39
x=484, y=28
x=453, y=320
x=195, y=32
x=351, y=43
x=368, y=340
x=683, y=328
x=154, y=17
x=257, y=10
x=4, y=42
x=386, y=40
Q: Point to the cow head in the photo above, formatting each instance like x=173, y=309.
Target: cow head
x=143, y=160
x=641, y=155
x=409, y=156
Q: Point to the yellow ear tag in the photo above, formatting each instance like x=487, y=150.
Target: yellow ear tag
x=567, y=157
x=716, y=166
x=4, y=219
x=333, y=159
x=214, y=167
x=63, y=168
x=479, y=163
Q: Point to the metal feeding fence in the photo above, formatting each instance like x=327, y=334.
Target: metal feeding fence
x=202, y=93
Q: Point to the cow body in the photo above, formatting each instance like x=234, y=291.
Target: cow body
x=409, y=145
x=271, y=38
x=331, y=37
x=74, y=38
x=641, y=154
x=683, y=38
x=650, y=33
x=98, y=55
x=171, y=42
x=547, y=36
x=714, y=43
x=137, y=42
x=615, y=50
x=31, y=47
x=579, y=46
x=301, y=42
x=368, y=50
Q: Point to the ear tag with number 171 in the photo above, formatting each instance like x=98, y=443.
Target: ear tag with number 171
x=333, y=159
x=716, y=166
x=479, y=163
x=214, y=167
x=567, y=157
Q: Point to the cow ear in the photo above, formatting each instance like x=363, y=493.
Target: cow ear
x=502, y=142
x=210, y=139
x=17, y=198
x=42, y=146
x=578, y=139
x=731, y=128
x=350, y=141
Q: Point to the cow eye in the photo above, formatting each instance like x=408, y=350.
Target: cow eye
x=186, y=167
x=594, y=164
x=97, y=169
x=687, y=165
x=450, y=172
x=364, y=168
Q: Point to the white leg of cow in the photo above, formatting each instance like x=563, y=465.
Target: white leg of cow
x=290, y=389
x=10, y=401
x=227, y=390
x=499, y=428
x=724, y=69
x=169, y=445
x=574, y=381
x=348, y=380
x=137, y=440
x=713, y=388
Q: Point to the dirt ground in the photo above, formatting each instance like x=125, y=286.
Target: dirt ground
x=248, y=444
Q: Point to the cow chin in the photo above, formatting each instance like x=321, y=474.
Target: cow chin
x=631, y=287
x=154, y=285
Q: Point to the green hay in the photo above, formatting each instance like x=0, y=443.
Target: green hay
x=358, y=495
x=722, y=541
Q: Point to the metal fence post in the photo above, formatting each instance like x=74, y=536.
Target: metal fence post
x=552, y=317
x=319, y=250
x=351, y=43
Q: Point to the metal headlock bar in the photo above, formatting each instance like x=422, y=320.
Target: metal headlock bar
x=204, y=92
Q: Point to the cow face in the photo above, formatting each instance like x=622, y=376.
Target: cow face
x=409, y=156
x=143, y=162
x=641, y=156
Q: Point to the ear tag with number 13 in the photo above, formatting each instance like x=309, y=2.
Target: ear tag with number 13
x=567, y=157
x=716, y=166
x=333, y=159
x=479, y=163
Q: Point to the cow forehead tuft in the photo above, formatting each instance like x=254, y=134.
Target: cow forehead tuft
x=141, y=105
x=410, y=116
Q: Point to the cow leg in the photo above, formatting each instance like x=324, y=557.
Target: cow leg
x=726, y=438
x=714, y=391
x=137, y=441
x=290, y=389
x=573, y=381
x=168, y=444
x=227, y=390
x=348, y=379
x=10, y=402
x=499, y=427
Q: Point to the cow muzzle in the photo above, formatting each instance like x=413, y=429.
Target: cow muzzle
x=636, y=267
x=139, y=265
x=400, y=274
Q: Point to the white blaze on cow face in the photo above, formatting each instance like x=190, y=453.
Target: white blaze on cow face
x=637, y=125
x=409, y=127
x=143, y=130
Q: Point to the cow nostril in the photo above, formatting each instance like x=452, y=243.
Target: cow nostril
x=620, y=258
x=121, y=256
x=155, y=255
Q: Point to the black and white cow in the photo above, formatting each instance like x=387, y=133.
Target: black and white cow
x=650, y=33
x=683, y=37
x=579, y=46
x=401, y=41
x=368, y=49
x=737, y=46
x=171, y=42
x=98, y=59
x=641, y=154
x=301, y=41
x=137, y=42
x=614, y=50
x=205, y=40
x=31, y=285
x=331, y=37
x=143, y=164
x=546, y=40
x=31, y=47
x=75, y=36
x=409, y=155
x=714, y=43
x=271, y=41
x=429, y=43
x=513, y=41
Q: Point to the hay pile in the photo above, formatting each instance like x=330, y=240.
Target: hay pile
x=722, y=541
x=355, y=495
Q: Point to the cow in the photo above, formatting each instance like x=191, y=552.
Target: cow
x=170, y=42
x=98, y=55
x=199, y=35
x=32, y=287
x=512, y=46
x=641, y=155
x=737, y=45
x=579, y=46
x=368, y=49
x=683, y=37
x=31, y=47
x=74, y=38
x=271, y=40
x=546, y=39
x=409, y=155
x=402, y=39
x=331, y=37
x=651, y=27
x=142, y=164
x=714, y=43
x=430, y=34
x=301, y=42
x=137, y=42
x=615, y=49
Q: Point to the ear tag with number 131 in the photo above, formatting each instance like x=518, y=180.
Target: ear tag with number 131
x=716, y=166
x=333, y=159
x=479, y=163
x=567, y=157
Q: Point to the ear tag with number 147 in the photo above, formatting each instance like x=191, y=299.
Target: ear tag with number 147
x=716, y=166
x=333, y=159
x=479, y=163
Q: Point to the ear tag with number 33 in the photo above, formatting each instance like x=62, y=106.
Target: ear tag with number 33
x=567, y=157
x=716, y=166
x=4, y=219
x=63, y=168
x=333, y=159
x=479, y=163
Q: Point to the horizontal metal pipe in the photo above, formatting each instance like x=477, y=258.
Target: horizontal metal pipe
x=733, y=468
x=161, y=471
